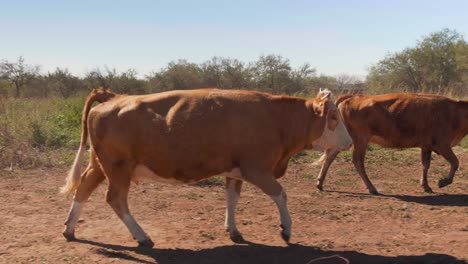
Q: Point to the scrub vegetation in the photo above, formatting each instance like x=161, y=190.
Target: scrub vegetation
x=40, y=112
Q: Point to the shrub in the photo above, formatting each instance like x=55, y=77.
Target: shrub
x=34, y=131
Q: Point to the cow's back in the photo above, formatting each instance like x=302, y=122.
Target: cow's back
x=188, y=134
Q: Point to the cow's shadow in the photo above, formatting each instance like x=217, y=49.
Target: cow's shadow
x=434, y=199
x=256, y=253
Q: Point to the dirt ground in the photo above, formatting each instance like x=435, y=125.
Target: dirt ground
x=186, y=222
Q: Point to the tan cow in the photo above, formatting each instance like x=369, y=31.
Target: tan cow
x=186, y=136
x=430, y=122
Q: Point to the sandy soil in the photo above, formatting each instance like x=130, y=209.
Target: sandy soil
x=403, y=225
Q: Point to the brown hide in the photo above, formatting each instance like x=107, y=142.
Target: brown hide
x=403, y=120
x=186, y=136
x=190, y=135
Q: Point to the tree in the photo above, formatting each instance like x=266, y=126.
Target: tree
x=343, y=80
x=63, y=82
x=236, y=75
x=302, y=80
x=434, y=65
x=180, y=75
x=461, y=59
x=96, y=78
x=212, y=72
x=273, y=72
x=127, y=82
x=18, y=73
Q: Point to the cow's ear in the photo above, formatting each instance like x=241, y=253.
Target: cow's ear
x=321, y=107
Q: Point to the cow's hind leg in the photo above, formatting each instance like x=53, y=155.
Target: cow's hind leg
x=448, y=154
x=233, y=188
x=270, y=186
x=90, y=179
x=426, y=163
x=359, y=154
x=119, y=175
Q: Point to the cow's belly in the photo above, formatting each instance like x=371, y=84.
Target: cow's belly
x=142, y=172
x=397, y=142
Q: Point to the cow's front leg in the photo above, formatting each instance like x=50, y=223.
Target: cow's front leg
x=233, y=188
x=281, y=203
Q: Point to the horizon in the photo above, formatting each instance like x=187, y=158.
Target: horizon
x=337, y=37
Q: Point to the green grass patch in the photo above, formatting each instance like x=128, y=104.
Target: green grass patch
x=376, y=155
x=464, y=143
x=39, y=132
x=212, y=181
x=305, y=156
x=308, y=176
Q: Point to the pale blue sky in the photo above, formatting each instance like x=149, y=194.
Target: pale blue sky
x=333, y=36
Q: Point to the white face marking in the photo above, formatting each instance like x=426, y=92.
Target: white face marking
x=337, y=139
x=322, y=94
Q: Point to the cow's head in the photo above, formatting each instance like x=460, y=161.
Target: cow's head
x=334, y=134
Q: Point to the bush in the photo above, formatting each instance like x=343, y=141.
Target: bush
x=38, y=132
x=60, y=126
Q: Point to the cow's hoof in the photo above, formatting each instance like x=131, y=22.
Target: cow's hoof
x=444, y=182
x=428, y=189
x=374, y=192
x=319, y=187
x=286, y=237
x=146, y=243
x=69, y=236
x=236, y=238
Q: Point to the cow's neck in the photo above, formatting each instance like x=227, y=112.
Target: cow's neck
x=297, y=121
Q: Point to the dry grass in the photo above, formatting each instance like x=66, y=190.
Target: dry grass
x=38, y=132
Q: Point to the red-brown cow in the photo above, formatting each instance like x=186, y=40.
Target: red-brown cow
x=404, y=120
x=186, y=136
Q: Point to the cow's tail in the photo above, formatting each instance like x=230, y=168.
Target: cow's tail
x=320, y=160
x=73, y=177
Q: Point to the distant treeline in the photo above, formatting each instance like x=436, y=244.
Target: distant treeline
x=271, y=73
x=437, y=64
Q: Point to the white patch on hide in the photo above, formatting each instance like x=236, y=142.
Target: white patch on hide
x=142, y=172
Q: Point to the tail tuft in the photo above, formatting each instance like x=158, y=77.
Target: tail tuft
x=320, y=160
x=73, y=177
